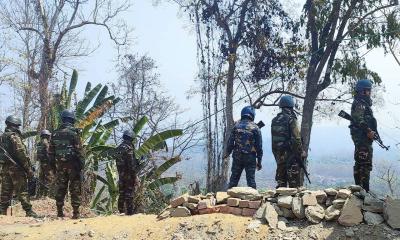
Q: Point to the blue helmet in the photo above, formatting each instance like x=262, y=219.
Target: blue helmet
x=286, y=102
x=128, y=135
x=363, y=84
x=249, y=112
x=67, y=116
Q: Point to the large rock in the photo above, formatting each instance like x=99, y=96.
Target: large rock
x=222, y=197
x=179, y=201
x=343, y=193
x=331, y=191
x=351, y=213
x=331, y=213
x=373, y=218
x=355, y=188
x=315, y=214
x=285, y=201
x=338, y=203
x=309, y=199
x=321, y=196
x=391, y=212
x=298, y=207
x=372, y=204
x=287, y=213
x=245, y=193
x=203, y=204
x=286, y=191
x=194, y=199
x=233, y=202
x=270, y=215
x=260, y=212
x=254, y=204
x=180, y=212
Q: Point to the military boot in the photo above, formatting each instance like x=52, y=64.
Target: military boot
x=75, y=213
x=60, y=212
x=31, y=213
x=129, y=209
x=3, y=211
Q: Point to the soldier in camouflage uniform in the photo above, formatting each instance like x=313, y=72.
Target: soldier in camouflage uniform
x=14, y=177
x=66, y=155
x=286, y=144
x=246, y=143
x=362, y=132
x=42, y=156
x=127, y=166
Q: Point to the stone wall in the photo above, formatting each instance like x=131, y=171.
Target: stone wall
x=348, y=206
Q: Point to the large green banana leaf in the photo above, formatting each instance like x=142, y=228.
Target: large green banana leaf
x=153, y=141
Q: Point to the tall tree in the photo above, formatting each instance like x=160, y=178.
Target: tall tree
x=59, y=25
x=229, y=32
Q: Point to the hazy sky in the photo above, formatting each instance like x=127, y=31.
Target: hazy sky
x=164, y=35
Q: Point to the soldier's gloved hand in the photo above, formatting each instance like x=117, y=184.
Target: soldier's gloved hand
x=370, y=134
x=259, y=166
x=225, y=156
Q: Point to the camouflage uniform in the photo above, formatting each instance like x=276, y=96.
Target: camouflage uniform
x=14, y=179
x=127, y=166
x=286, y=146
x=67, y=155
x=46, y=172
x=246, y=143
x=362, y=115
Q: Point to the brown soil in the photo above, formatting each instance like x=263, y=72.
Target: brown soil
x=212, y=226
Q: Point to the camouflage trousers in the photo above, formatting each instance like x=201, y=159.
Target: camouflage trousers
x=363, y=154
x=287, y=171
x=14, y=181
x=68, y=177
x=126, y=186
x=46, y=177
x=247, y=162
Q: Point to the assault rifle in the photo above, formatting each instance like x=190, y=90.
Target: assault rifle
x=377, y=138
x=260, y=124
x=300, y=161
x=9, y=158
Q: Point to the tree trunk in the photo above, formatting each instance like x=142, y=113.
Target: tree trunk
x=229, y=117
x=45, y=73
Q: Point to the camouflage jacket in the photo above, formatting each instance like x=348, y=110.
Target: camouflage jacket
x=363, y=117
x=42, y=151
x=126, y=162
x=245, y=138
x=12, y=142
x=66, y=146
x=285, y=132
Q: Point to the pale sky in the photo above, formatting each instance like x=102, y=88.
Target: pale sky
x=164, y=35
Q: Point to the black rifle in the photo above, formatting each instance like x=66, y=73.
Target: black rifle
x=261, y=124
x=377, y=138
x=9, y=158
x=300, y=161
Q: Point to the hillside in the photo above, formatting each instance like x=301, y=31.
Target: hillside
x=215, y=216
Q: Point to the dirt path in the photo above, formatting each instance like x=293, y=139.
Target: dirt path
x=213, y=226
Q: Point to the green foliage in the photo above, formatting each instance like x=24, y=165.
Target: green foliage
x=148, y=196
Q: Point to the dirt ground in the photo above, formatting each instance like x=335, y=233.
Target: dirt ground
x=213, y=226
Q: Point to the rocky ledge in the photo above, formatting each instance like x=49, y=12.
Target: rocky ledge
x=348, y=206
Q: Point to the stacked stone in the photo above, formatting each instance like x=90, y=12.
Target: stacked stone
x=348, y=206
x=243, y=201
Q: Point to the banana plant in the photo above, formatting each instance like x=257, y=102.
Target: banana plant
x=148, y=194
x=95, y=131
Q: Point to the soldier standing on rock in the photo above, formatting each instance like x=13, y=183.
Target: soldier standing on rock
x=362, y=132
x=46, y=175
x=127, y=166
x=67, y=158
x=16, y=169
x=286, y=144
x=246, y=143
